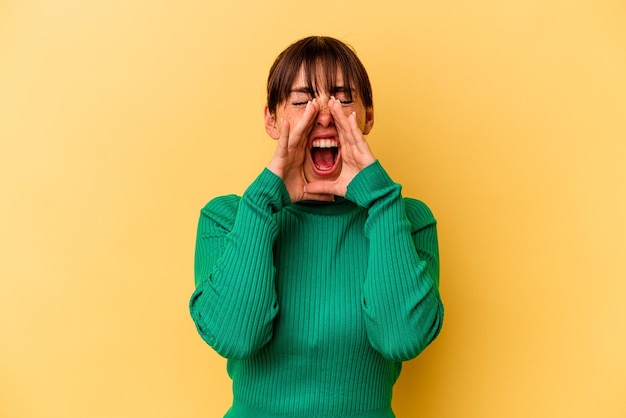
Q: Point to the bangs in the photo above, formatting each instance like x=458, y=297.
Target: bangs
x=320, y=58
x=320, y=75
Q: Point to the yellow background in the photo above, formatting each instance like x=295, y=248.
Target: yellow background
x=119, y=120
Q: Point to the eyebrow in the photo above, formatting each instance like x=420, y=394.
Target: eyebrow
x=342, y=89
x=301, y=90
x=333, y=90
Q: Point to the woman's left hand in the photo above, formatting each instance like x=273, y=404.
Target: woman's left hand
x=355, y=152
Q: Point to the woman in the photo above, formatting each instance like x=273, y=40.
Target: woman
x=321, y=279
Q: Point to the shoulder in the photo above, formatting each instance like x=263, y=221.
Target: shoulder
x=221, y=210
x=418, y=213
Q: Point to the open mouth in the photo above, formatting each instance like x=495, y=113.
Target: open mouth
x=324, y=154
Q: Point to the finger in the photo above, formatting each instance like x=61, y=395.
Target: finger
x=283, y=139
x=318, y=196
x=354, y=127
x=348, y=124
x=347, y=128
x=306, y=122
x=355, y=148
x=341, y=122
x=361, y=142
x=325, y=187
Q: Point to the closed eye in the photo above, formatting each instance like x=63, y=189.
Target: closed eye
x=300, y=96
x=344, y=95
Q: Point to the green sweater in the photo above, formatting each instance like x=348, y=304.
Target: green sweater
x=316, y=304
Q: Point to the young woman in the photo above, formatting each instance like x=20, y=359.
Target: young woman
x=321, y=279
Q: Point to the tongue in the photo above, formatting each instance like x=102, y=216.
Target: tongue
x=324, y=158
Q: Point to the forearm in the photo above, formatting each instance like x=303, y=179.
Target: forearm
x=401, y=300
x=235, y=301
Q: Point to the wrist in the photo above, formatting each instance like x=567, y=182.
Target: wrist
x=370, y=184
x=275, y=168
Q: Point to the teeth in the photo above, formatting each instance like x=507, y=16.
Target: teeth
x=325, y=143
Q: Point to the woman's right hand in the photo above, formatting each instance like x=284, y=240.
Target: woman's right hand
x=288, y=160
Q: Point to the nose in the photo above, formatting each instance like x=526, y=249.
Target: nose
x=324, y=118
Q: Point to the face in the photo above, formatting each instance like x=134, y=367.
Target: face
x=323, y=150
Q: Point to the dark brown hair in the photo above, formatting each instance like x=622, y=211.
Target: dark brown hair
x=317, y=55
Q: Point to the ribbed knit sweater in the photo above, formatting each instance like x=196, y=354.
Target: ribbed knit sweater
x=316, y=304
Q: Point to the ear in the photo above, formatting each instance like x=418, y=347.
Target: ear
x=270, y=124
x=369, y=120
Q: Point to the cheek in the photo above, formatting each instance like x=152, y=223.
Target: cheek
x=292, y=116
x=360, y=117
x=360, y=111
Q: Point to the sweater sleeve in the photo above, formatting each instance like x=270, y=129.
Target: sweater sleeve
x=401, y=301
x=235, y=302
